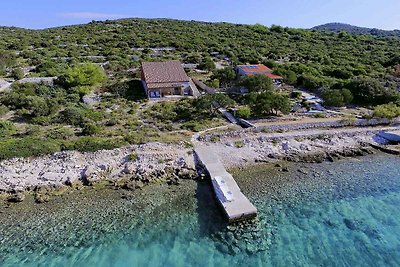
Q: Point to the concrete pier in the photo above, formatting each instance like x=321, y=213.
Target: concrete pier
x=233, y=202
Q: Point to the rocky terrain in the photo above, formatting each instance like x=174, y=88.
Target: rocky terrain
x=135, y=166
x=312, y=145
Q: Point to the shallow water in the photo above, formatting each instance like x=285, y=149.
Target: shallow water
x=345, y=213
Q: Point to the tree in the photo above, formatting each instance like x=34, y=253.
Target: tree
x=268, y=103
x=337, y=97
x=225, y=76
x=257, y=83
x=347, y=95
x=83, y=75
x=372, y=92
x=290, y=77
x=207, y=64
x=17, y=73
x=333, y=98
x=210, y=103
x=7, y=60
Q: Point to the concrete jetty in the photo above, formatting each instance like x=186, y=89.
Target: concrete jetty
x=233, y=202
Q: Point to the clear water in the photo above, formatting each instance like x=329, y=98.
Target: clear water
x=345, y=213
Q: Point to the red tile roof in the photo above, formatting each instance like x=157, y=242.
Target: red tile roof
x=273, y=76
x=250, y=70
x=163, y=74
x=255, y=69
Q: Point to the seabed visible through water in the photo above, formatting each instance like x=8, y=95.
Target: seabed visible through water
x=345, y=213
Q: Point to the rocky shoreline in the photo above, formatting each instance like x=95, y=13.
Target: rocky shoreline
x=129, y=168
x=133, y=167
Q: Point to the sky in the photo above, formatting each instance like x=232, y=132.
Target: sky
x=38, y=14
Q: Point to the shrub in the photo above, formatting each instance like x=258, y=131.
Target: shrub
x=142, y=136
x=63, y=133
x=349, y=120
x=388, y=111
x=133, y=156
x=83, y=75
x=17, y=73
x=319, y=115
x=295, y=94
x=3, y=110
x=243, y=112
x=239, y=144
x=90, y=129
x=371, y=91
x=6, y=128
x=193, y=126
x=215, y=138
x=27, y=147
x=42, y=120
x=73, y=115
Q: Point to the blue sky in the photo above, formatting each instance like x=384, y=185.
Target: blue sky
x=384, y=14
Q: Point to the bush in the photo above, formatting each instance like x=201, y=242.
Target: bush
x=83, y=75
x=207, y=64
x=133, y=156
x=90, y=129
x=73, y=115
x=349, y=120
x=78, y=115
x=239, y=144
x=319, y=115
x=243, y=112
x=193, y=126
x=63, y=133
x=388, y=111
x=295, y=95
x=6, y=128
x=290, y=77
x=337, y=97
x=27, y=147
x=371, y=92
x=42, y=120
x=3, y=110
x=17, y=73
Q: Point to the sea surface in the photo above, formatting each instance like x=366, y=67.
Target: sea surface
x=345, y=213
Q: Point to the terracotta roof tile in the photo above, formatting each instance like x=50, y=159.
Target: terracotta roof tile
x=255, y=69
x=164, y=72
x=251, y=70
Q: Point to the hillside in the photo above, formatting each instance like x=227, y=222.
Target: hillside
x=122, y=44
x=337, y=27
x=87, y=110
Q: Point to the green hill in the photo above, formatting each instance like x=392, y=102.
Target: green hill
x=317, y=58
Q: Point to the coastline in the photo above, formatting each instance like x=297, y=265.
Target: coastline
x=305, y=206
x=133, y=167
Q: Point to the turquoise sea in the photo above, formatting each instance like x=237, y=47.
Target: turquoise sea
x=345, y=213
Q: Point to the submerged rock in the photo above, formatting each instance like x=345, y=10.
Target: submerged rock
x=16, y=197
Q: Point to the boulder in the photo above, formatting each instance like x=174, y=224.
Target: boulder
x=16, y=197
x=89, y=175
x=42, y=198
